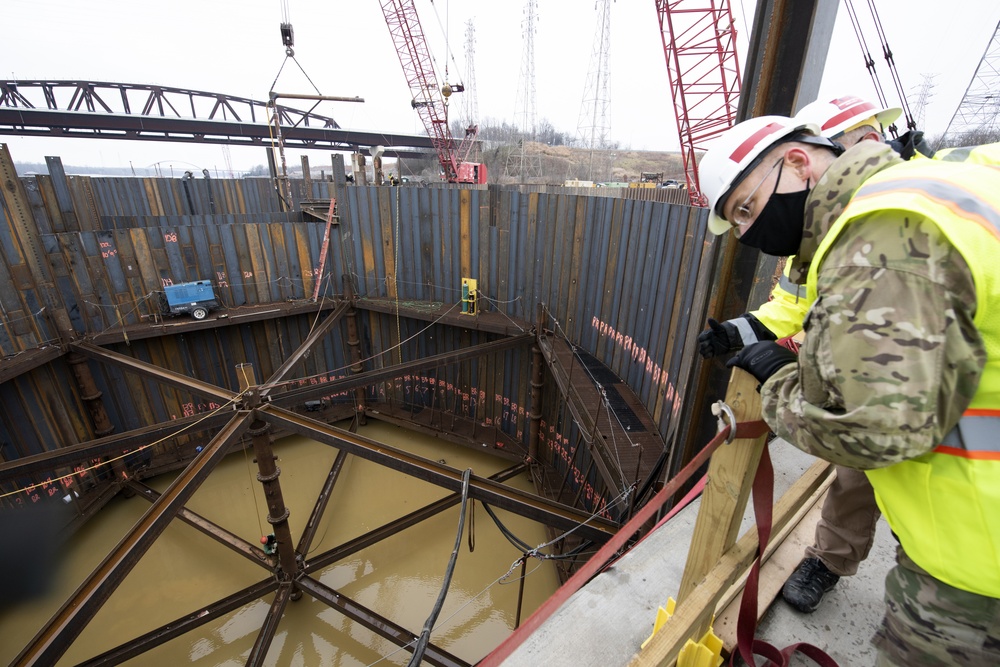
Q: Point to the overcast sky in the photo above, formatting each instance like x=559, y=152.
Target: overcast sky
x=234, y=47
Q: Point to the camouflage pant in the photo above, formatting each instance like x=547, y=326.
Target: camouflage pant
x=928, y=623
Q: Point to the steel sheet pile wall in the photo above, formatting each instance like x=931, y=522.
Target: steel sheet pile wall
x=115, y=277
x=416, y=244
x=627, y=280
x=105, y=280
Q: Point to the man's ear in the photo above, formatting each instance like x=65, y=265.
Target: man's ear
x=799, y=161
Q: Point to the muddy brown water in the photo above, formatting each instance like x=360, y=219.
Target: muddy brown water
x=399, y=578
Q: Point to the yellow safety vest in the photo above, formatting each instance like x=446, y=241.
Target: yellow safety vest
x=944, y=506
x=783, y=313
x=988, y=154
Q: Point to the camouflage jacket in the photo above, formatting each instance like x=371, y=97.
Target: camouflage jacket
x=882, y=376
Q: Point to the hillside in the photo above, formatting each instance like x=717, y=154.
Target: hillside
x=542, y=164
x=554, y=165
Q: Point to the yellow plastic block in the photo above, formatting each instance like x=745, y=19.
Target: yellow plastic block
x=662, y=616
x=705, y=653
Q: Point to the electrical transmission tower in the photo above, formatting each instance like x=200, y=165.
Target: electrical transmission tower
x=594, y=125
x=520, y=165
x=975, y=120
x=923, y=95
x=525, y=112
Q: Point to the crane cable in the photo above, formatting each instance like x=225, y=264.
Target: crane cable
x=283, y=188
x=449, y=54
x=869, y=61
x=887, y=52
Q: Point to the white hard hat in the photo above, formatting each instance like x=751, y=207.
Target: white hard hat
x=736, y=152
x=841, y=114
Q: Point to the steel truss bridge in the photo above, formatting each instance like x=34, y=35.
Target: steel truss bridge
x=145, y=112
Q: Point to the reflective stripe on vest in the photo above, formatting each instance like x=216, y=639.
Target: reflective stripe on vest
x=969, y=206
x=786, y=284
x=784, y=312
x=976, y=436
x=944, y=506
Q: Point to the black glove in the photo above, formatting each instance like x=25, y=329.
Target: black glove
x=911, y=143
x=725, y=337
x=762, y=360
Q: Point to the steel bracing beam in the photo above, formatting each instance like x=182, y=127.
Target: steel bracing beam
x=525, y=504
x=491, y=322
x=309, y=532
x=111, y=445
x=264, y=312
x=178, y=627
x=116, y=444
x=251, y=551
x=58, y=634
x=270, y=624
x=316, y=335
x=299, y=396
x=28, y=360
x=203, y=615
x=384, y=531
x=379, y=624
x=173, y=378
x=577, y=404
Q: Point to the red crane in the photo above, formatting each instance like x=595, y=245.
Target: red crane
x=429, y=100
x=699, y=43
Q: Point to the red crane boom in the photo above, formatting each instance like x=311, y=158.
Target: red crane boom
x=428, y=98
x=699, y=43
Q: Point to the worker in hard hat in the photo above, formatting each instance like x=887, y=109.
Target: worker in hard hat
x=846, y=530
x=848, y=120
x=899, y=370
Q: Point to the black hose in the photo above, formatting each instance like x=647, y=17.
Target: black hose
x=528, y=550
x=511, y=537
x=425, y=634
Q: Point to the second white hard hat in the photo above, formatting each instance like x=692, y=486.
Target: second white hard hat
x=841, y=114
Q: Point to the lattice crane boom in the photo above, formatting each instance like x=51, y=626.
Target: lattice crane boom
x=429, y=99
x=699, y=44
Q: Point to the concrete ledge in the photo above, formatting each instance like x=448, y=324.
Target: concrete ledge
x=605, y=622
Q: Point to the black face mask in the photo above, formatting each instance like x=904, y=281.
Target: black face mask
x=778, y=228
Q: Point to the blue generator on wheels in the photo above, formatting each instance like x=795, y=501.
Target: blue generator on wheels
x=197, y=298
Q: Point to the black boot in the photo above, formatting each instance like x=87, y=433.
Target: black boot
x=805, y=588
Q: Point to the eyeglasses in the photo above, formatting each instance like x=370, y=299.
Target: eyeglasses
x=742, y=214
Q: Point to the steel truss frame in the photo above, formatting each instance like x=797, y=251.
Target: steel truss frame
x=104, y=110
x=254, y=410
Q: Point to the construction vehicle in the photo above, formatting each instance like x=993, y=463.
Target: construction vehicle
x=430, y=100
x=196, y=298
